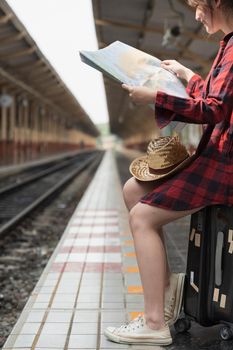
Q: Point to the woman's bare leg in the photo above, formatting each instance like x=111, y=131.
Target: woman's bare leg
x=146, y=222
x=133, y=191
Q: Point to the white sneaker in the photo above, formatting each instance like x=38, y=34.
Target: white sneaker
x=137, y=332
x=173, y=298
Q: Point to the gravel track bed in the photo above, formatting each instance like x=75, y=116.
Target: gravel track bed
x=25, y=251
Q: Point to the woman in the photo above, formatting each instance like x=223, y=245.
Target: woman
x=207, y=180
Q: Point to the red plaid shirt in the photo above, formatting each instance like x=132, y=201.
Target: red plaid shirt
x=208, y=179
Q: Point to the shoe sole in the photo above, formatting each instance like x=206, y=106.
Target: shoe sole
x=179, y=297
x=151, y=341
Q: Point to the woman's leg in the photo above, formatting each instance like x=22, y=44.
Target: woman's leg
x=146, y=222
x=133, y=191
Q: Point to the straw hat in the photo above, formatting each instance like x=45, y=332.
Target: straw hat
x=165, y=156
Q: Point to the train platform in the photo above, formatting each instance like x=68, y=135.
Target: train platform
x=92, y=281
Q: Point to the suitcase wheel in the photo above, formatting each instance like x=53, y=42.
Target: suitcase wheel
x=182, y=325
x=226, y=333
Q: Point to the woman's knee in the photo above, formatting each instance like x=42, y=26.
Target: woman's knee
x=130, y=192
x=127, y=187
x=134, y=190
x=139, y=218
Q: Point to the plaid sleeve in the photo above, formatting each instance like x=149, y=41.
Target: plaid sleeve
x=210, y=110
x=164, y=117
x=195, y=86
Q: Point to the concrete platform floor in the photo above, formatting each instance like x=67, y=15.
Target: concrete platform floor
x=92, y=279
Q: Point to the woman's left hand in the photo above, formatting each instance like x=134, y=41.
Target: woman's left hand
x=140, y=95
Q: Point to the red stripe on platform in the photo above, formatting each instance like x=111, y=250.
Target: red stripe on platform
x=82, y=249
x=94, y=225
x=94, y=249
x=113, y=267
x=112, y=249
x=112, y=234
x=90, y=249
x=74, y=267
x=57, y=267
x=94, y=235
x=93, y=267
x=65, y=250
x=100, y=267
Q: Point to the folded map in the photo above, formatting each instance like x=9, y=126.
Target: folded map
x=131, y=66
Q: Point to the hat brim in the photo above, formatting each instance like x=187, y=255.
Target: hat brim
x=140, y=170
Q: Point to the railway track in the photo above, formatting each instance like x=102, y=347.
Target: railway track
x=24, y=174
x=18, y=199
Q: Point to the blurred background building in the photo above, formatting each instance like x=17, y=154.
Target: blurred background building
x=39, y=114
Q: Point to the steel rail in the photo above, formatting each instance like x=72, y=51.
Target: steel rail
x=91, y=162
x=39, y=175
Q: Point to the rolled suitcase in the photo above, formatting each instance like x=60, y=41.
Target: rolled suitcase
x=208, y=289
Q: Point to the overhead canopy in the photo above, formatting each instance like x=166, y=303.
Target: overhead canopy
x=23, y=66
x=143, y=24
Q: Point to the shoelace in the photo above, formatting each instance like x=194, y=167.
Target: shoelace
x=138, y=322
x=131, y=325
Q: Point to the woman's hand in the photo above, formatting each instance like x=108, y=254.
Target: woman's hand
x=178, y=69
x=140, y=95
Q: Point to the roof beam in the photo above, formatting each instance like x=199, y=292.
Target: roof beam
x=15, y=72
x=9, y=87
x=54, y=91
x=10, y=38
x=186, y=53
x=154, y=29
x=30, y=90
x=19, y=53
x=56, y=87
x=28, y=66
x=44, y=84
x=41, y=79
x=147, y=14
x=38, y=72
x=6, y=18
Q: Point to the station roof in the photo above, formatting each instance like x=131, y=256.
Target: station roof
x=24, y=67
x=142, y=24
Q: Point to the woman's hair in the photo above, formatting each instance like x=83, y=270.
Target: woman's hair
x=225, y=4
x=195, y=3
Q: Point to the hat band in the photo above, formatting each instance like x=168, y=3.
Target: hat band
x=165, y=170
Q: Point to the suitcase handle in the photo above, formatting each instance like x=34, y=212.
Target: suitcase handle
x=218, y=258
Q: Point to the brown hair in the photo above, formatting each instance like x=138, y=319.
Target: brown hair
x=195, y=3
x=225, y=4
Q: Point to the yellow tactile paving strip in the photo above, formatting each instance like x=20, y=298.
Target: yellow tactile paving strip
x=135, y=314
x=132, y=254
x=135, y=289
x=132, y=269
x=92, y=279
